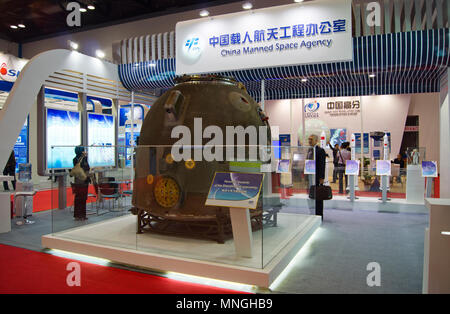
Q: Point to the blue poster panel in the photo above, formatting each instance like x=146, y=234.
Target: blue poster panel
x=101, y=135
x=63, y=135
x=21, y=147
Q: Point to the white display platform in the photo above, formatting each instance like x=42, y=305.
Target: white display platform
x=116, y=240
x=436, y=265
x=362, y=203
x=5, y=212
x=415, y=184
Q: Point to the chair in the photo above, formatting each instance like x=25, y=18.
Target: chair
x=108, y=191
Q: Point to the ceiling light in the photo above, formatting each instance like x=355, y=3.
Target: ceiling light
x=83, y=10
x=247, y=6
x=298, y=1
x=91, y=7
x=13, y=26
x=204, y=13
x=73, y=45
x=372, y=75
x=304, y=80
x=100, y=54
x=21, y=26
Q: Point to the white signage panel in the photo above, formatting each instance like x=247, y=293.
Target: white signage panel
x=298, y=33
x=10, y=67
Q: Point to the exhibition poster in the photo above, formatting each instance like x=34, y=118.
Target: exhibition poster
x=358, y=143
x=310, y=167
x=338, y=136
x=283, y=166
x=429, y=169
x=101, y=133
x=63, y=134
x=352, y=167
x=383, y=167
x=235, y=189
x=21, y=147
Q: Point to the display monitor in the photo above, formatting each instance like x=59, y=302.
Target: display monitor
x=63, y=135
x=102, y=135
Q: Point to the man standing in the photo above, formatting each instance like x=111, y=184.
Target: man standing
x=320, y=157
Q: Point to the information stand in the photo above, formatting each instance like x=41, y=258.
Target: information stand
x=240, y=192
x=384, y=171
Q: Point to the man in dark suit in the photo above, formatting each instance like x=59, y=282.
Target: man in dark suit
x=320, y=157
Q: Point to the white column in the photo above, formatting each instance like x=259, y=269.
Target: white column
x=444, y=141
x=132, y=138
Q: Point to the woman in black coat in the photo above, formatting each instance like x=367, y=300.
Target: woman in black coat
x=80, y=187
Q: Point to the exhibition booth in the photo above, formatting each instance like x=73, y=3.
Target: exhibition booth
x=276, y=77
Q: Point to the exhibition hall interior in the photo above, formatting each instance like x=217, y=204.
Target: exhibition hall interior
x=263, y=147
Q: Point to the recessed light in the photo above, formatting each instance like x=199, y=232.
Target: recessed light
x=83, y=10
x=372, y=75
x=21, y=26
x=73, y=45
x=13, y=26
x=304, y=80
x=204, y=13
x=247, y=6
x=100, y=54
x=91, y=7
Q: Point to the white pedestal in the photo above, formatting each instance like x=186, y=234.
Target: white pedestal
x=242, y=231
x=436, y=264
x=415, y=184
x=5, y=212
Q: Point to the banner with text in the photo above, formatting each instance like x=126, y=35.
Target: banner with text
x=299, y=33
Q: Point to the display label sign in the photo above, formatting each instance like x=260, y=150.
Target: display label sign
x=352, y=167
x=429, y=169
x=383, y=168
x=235, y=189
x=310, y=166
x=283, y=166
x=298, y=33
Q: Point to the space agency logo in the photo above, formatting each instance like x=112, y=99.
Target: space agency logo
x=192, y=49
x=192, y=43
x=311, y=110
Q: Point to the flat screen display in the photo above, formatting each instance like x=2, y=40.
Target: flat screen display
x=101, y=133
x=63, y=129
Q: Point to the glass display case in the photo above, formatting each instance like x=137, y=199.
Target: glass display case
x=159, y=209
x=415, y=155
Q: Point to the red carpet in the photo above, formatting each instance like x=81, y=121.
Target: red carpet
x=24, y=271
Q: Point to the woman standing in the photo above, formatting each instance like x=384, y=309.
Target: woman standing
x=80, y=187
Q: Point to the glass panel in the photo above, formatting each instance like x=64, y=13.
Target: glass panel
x=103, y=198
x=173, y=218
x=288, y=210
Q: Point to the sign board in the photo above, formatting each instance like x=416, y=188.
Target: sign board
x=21, y=147
x=283, y=166
x=101, y=134
x=310, y=167
x=10, y=67
x=298, y=33
x=429, y=169
x=383, y=168
x=235, y=189
x=352, y=167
